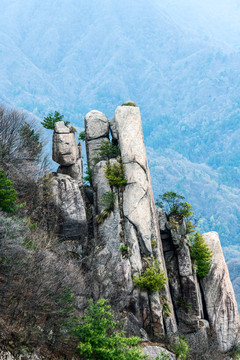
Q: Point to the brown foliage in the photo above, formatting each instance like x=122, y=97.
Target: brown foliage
x=40, y=284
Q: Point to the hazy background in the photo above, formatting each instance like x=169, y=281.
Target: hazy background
x=178, y=60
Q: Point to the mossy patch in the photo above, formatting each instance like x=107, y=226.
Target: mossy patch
x=129, y=103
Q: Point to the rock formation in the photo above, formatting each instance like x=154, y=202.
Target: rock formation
x=66, y=207
x=122, y=241
x=219, y=296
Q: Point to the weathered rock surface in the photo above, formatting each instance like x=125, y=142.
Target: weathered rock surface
x=97, y=132
x=65, y=149
x=8, y=356
x=219, y=296
x=183, y=281
x=96, y=125
x=75, y=171
x=156, y=351
x=67, y=206
x=141, y=225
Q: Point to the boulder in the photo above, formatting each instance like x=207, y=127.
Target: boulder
x=219, y=296
x=65, y=149
x=96, y=125
x=61, y=128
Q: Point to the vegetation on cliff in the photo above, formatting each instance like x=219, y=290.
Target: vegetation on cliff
x=201, y=254
x=101, y=338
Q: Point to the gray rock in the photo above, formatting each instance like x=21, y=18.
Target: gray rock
x=219, y=296
x=184, y=260
x=112, y=271
x=177, y=226
x=138, y=203
x=132, y=327
x=6, y=355
x=65, y=149
x=96, y=125
x=75, y=171
x=113, y=129
x=156, y=351
x=61, y=128
x=129, y=129
x=162, y=219
x=67, y=208
x=93, y=147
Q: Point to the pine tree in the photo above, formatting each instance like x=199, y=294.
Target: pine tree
x=8, y=196
x=201, y=253
x=50, y=120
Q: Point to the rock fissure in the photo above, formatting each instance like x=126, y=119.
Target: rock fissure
x=143, y=248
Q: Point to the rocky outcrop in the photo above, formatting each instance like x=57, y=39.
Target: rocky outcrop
x=125, y=238
x=120, y=242
x=219, y=296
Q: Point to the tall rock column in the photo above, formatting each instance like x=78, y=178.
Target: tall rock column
x=140, y=218
x=219, y=296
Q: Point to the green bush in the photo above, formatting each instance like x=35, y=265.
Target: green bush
x=107, y=151
x=8, y=196
x=123, y=248
x=82, y=136
x=172, y=203
x=88, y=178
x=151, y=279
x=115, y=173
x=166, y=310
x=164, y=356
x=50, y=120
x=100, y=338
x=181, y=348
x=190, y=227
x=201, y=253
x=129, y=103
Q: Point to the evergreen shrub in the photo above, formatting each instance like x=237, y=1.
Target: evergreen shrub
x=201, y=253
x=8, y=196
x=50, y=120
x=115, y=173
x=100, y=339
x=107, y=151
x=181, y=348
x=151, y=279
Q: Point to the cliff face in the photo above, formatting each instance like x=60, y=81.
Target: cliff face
x=134, y=235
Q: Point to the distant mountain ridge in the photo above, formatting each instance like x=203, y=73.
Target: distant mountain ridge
x=74, y=57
